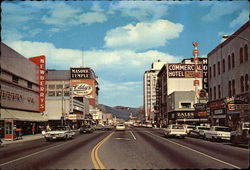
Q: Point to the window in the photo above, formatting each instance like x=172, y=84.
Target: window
x=51, y=93
x=242, y=84
x=185, y=105
x=15, y=79
x=233, y=61
x=219, y=68
x=233, y=87
x=246, y=82
x=58, y=93
x=241, y=55
x=219, y=92
x=229, y=89
x=59, y=86
x=29, y=85
x=66, y=93
x=246, y=52
x=214, y=92
x=229, y=62
x=214, y=70
x=210, y=72
x=210, y=93
x=223, y=65
x=51, y=86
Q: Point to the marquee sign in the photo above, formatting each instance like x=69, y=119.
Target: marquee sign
x=80, y=73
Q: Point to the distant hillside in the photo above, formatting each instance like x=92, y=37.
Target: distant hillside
x=119, y=111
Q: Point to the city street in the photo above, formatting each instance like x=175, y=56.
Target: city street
x=134, y=148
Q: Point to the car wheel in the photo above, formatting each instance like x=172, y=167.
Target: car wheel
x=66, y=137
x=213, y=139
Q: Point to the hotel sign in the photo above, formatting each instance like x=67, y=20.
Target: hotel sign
x=80, y=73
x=40, y=62
x=184, y=71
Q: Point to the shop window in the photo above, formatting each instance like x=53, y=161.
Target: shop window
x=58, y=93
x=29, y=85
x=223, y=65
x=246, y=82
x=66, y=93
x=246, y=52
x=233, y=60
x=15, y=79
x=214, y=70
x=233, y=87
x=51, y=93
x=185, y=105
x=241, y=55
x=229, y=89
x=51, y=86
x=229, y=62
x=214, y=93
x=241, y=84
x=218, y=68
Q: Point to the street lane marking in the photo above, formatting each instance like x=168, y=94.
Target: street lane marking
x=197, y=152
x=32, y=154
x=94, y=153
x=122, y=138
x=133, y=135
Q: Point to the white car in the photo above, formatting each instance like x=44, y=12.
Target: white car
x=175, y=130
x=120, y=127
x=60, y=132
x=189, y=128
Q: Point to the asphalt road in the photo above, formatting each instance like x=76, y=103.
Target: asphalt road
x=135, y=148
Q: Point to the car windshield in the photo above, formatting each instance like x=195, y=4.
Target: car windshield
x=59, y=128
x=190, y=127
x=177, y=127
x=203, y=128
x=224, y=129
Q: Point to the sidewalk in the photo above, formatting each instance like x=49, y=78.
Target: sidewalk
x=24, y=138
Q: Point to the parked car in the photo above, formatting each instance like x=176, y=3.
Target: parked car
x=59, y=132
x=241, y=134
x=218, y=133
x=189, y=128
x=198, y=131
x=86, y=129
x=120, y=127
x=175, y=130
x=108, y=127
x=99, y=127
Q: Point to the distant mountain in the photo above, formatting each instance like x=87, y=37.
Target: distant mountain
x=120, y=112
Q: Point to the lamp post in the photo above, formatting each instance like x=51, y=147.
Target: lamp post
x=228, y=36
x=63, y=113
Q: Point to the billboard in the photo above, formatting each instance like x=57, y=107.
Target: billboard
x=83, y=88
x=40, y=62
x=184, y=71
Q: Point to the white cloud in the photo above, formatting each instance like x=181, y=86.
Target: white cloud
x=92, y=17
x=141, y=11
x=11, y=35
x=221, y=9
x=241, y=19
x=143, y=35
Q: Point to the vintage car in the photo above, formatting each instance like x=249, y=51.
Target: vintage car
x=175, y=130
x=59, y=132
x=86, y=129
x=120, y=127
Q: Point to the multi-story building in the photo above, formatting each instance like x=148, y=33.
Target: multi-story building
x=229, y=71
x=151, y=104
x=175, y=77
x=70, y=94
x=21, y=93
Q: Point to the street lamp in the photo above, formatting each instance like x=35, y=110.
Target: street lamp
x=228, y=36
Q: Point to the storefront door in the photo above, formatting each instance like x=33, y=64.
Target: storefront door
x=8, y=133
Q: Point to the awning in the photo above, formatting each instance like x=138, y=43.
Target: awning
x=8, y=114
x=191, y=120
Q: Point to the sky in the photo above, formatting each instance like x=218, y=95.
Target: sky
x=119, y=40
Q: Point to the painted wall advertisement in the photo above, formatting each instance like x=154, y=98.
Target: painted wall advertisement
x=83, y=88
x=40, y=62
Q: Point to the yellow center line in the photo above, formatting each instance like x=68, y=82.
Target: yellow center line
x=197, y=151
x=94, y=153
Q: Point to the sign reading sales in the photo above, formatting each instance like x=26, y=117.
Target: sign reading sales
x=40, y=62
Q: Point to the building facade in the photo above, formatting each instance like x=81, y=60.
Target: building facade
x=20, y=94
x=229, y=71
x=174, y=77
x=151, y=104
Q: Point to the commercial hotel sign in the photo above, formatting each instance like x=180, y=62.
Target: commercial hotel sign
x=40, y=62
x=184, y=71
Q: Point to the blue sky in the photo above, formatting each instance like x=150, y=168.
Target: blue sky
x=120, y=39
